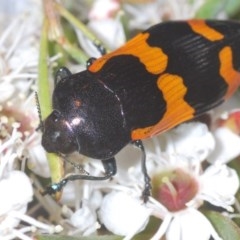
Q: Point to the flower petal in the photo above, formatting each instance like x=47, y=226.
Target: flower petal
x=227, y=146
x=123, y=214
x=192, y=140
x=188, y=226
x=219, y=185
x=16, y=191
x=38, y=161
x=6, y=91
x=103, y=9
x=78, y=219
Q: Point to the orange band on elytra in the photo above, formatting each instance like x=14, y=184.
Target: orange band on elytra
x=177, y=111
x=227, y=71
x=154, y=59
x=200, y=27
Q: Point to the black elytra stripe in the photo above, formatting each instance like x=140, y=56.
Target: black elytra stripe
x=231, y=32
x=195, y=59
x=143, y=103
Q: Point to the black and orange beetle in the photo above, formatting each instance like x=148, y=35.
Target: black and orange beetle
x=168, y=74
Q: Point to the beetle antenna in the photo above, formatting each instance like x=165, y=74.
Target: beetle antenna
x=39, y=112
x=77, y=166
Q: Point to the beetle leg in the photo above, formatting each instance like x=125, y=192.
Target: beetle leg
x=147, y=188
x=90, y=61
x=101, y=49
x=109, y=167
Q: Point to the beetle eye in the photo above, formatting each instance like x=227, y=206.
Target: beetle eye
x=55, y=116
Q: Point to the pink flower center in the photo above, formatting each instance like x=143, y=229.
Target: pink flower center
x=15, y=115
x=174, y=189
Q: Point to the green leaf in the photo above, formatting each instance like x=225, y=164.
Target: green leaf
x=235, y=164
x=233, y=7
x=211, y=8
x=151, y=228
x=224, y=226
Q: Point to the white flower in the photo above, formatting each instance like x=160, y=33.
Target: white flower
x=182, y=193
x=187, y=225
x=185, y=9
x=78, y=219
x=219, y=184
x=103, y=9
x=192, y=140
x=156, y=11
x=226, y=134
x=18, y=118
x=227, y=143
x=181, y=213
x=184, y=186
x=105, y=23
x=153, y=13
x=123, y=214
x=180, y=187
x=6, y=91
x=16, y=192
x=37, y=156
x=113, y=35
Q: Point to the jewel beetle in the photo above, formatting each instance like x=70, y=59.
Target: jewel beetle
x=172, y=72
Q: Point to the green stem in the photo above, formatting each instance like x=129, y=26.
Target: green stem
x=55, y=163
x=66, y=14
x=43, y=83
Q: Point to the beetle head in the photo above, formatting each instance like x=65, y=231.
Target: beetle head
x=58, y=135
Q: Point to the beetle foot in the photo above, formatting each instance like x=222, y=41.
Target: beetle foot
x=54, y=188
